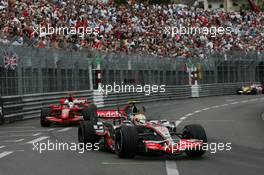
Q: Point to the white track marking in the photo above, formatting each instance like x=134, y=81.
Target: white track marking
x=190, y=114
x=171, y=168
x=38, y=139
x=3, y=154
x=15, y=141
x=205, y=109
x=17, y=135
x=21, y=131
x=197, y=111
x=51, y=129
x=36, y=134
x=20, y=140
x=65, y=129
x=122, y=163
x=2, y=146
x=183, y=118
x=14, y=127
x=178, y=122
x=230, y=100
x=212, y=120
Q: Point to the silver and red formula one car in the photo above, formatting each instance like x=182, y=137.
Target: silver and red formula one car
x=128, y=137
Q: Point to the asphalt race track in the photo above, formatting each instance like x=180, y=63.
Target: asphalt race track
x=235, y=119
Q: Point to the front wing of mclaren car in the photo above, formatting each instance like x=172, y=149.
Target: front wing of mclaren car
x=173, y=147
x=156, y=137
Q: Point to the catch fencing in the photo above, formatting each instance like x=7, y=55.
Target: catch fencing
x=47, y=70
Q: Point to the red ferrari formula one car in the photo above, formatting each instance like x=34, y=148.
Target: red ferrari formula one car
x=128, y=137
x=70, y=111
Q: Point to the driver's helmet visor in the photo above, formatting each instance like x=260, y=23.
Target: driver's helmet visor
x=142, y=121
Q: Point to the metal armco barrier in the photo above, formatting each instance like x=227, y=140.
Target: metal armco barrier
x=206, y=90
x=29, y=106
x=171, y=93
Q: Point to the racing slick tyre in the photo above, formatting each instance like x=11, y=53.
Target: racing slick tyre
x=195, y=131
x=254, y=91
x=90, y=113
x=238, y=92
x=86, y=133
x=44, y=113
x=126, y=141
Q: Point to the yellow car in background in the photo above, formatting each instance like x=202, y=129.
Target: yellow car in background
x=250, y=90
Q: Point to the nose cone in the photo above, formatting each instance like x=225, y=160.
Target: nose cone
x=65, y=113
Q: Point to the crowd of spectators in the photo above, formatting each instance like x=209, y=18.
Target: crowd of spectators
x=128, y=28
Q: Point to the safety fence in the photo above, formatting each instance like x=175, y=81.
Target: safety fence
x=219, y=89
x=29, y=106
x=25, y=70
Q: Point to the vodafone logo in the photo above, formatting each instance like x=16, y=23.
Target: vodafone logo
x=110, y=114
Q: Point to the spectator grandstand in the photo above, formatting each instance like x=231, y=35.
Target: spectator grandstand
x=128, y=28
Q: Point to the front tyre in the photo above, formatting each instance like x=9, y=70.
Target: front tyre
x=45, y=112
x=87, y=134
x=239, y=90
x=126, y=141
x=90, y=113
x=195, y=131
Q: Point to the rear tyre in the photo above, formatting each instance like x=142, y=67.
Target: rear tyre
x=195, y=131
x=90, y=113
x=87, y=134
x=254, y=91
x=45, y=112
x=126, y=141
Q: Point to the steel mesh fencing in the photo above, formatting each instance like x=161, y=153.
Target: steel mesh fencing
x=50, y=70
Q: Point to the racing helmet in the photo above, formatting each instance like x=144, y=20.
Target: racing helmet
x=71, y=98
x=139, y=119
